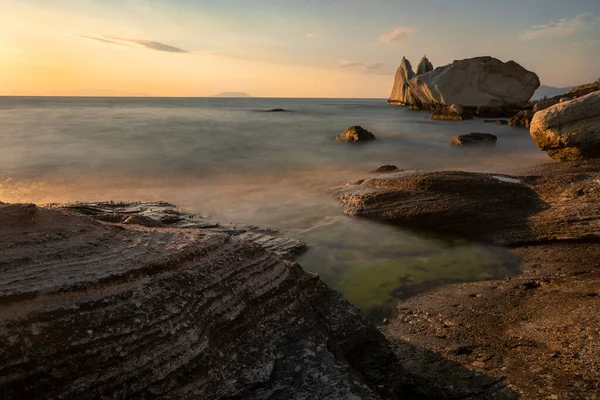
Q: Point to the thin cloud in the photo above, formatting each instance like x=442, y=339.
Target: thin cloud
x=368, y=67
x=312, y=35
x=401, y=32
x=559, y=28
x=149, y=44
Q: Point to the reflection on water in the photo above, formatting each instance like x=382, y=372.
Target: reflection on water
x=220, y=157
x=375, y=265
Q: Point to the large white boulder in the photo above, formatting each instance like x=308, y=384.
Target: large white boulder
x=474, y=82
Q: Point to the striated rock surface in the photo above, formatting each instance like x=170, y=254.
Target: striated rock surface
x=474, y=138
x=91, y=310
x=474, y=82
x=161, y=214
x=455, y=112
x=355, y=134
x=424, y=66
x=569, y=130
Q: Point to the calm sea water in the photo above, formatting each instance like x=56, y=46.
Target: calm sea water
x=231, y=159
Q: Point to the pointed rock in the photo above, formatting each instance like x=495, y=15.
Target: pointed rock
x=424, y=66
x=400, y=91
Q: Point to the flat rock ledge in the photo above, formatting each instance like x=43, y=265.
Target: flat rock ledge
x=162, y=214
x=96, y=310
x=536, y=333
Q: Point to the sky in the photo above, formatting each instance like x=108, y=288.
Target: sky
x=280, y=48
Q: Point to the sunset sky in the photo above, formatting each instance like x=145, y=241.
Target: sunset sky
x=280, y=48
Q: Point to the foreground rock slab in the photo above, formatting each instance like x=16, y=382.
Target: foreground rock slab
x=91, y=309
x=569, y=130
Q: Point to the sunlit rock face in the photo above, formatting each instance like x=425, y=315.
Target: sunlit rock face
x=569, y=130
x=474, y=82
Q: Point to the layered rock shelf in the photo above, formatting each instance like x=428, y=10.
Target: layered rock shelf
x=92, y=309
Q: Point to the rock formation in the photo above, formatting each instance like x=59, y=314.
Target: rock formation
x=474, y=138
x=91, y=310
x=481, y=81
x=569, y=130
x=401, y=93
x=161, y=214
x=536, y=332
x=355, y=134
x=522, y=119
x=454, y=112
x=386, y=168
x=424, y=66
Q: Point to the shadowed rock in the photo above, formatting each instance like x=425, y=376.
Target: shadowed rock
x=522, y=119
x=455, y=112
x=90, y=309
x=474, y=138
x=355, y=134
x=386, y=168
x=424, y=66
x=451, y=202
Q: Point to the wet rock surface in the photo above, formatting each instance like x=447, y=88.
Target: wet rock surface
x=386, y=168
x=454, y=112
x=92, y=309
x=474, y=139
x=536, y=334
x=162, y=214
x=355, y=134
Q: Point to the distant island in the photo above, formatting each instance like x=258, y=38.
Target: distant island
x=233, y=94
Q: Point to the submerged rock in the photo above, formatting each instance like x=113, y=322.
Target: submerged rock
x=496, y=121
x=455, y=112
x=569, y=130
x=474, y=82
x=90, y=309
x=474, y=138
x=386, y=168
x=355, y=134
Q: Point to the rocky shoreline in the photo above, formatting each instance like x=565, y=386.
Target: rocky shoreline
x=537, y=332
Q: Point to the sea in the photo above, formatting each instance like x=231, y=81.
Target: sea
x=236, y=161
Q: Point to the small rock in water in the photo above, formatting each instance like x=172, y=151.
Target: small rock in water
x=474, y=138
x=386, y=168
x=496, y=121
x=277, y=110
x=355, y=134
x=454, y=112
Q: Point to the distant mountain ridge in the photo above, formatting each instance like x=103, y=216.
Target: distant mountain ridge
x=549, y=91
x=233, y=94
